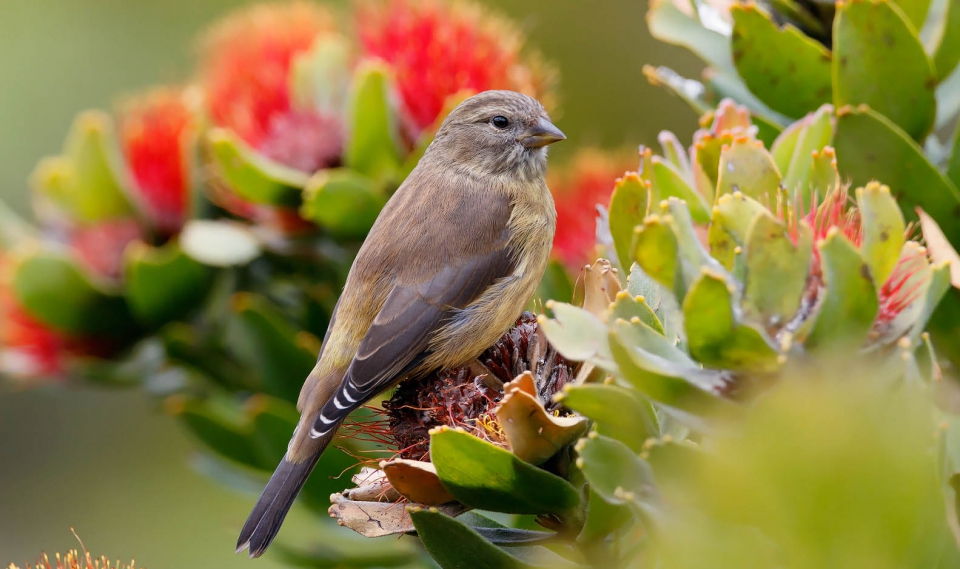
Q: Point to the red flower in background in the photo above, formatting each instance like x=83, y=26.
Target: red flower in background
x=155, y=131
x=437, y=49
x=28, y=348
x=577, y=191
x=100, y=247
x=245, y=74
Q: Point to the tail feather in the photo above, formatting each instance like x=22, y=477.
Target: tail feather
x=275, y=501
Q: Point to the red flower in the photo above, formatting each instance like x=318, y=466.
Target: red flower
x=28, y=348
x=154, y=133
x=438, y=49
x=100, y=247
x=578, y=191
x=245, y=74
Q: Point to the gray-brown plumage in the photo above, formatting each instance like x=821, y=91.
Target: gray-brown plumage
x=448, y=266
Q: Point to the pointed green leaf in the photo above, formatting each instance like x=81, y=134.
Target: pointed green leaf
x=815, y=132
x=614, y=471
x=251, y=175
x=898, y=162
x=629, y=307
x=265, y=341
x=824, y=177
x=373, y=139
x=655, y=250
x=482, y=475
x=715, y=338
x=629, y=204
x=947, y=55
x=163, y=283
x=84, y=182
x=882, y=226
x=343, y=202
x=673, y=151
x=668, y=182
x=879, y=61
x=54, y=290
x=747, y=167
x=850, y=301
x=618, y=412
x=776, y=269
x=784, y=68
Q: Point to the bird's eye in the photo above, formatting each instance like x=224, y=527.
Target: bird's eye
x=500, y=121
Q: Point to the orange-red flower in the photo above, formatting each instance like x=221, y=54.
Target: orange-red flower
x=437, y=49
x=155, y=131
x=245, y=74
x=28, y=348
x=577, y=191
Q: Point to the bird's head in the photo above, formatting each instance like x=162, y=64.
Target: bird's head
x=497, y=133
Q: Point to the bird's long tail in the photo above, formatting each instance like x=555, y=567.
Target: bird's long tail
x=275, y=501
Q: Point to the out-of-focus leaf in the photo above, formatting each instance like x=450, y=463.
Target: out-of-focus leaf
x=555, y=285
x=221, y=427
x=776, y=269
x=941, y=251
x=629, y=204
x=252, y=176
x=850, y=302
x=373, y=140
x=747, y=167
x=84, y=182
x=669, y=24
x=482, y=475
x=914, y=10
x=953, y=164
x=162, y=283
x=343, y=202
x=603, y=518
x=454, y=545
x=787, y=70
x=219, y=243
x=618, y=412
x=614, y=471
x=947, y=56
x=883, y=229
x=879, y=61
x=54, y=291
x=690, y=91
x=899, y=163
x=261, y=337
x=356, y=554
x=715, y=338
x=319, y=76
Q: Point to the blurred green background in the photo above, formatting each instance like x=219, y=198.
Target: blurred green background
x=111, y=464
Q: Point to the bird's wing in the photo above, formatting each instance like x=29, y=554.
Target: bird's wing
x=398, y=338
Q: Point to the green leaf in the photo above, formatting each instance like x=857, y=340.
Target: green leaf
x=668, y=24
x=689, y=91
x=898, y=162
x=784, y=68
x=914, y=10
x=555, y=285
x=251, y=175
x=319, y=76
x=850, y=302
x=776, y=269
x=219, y=425
x=715, y=338
x=603, y=518
x=343, y=202
x=667, y=182
x=947, y=55
x=614, y=471
x=454, y=545
x=879, y=61
x=482, y=475
x=373, y=141
x=265, y=341
x=84, y=182
x=747, y=167
x=219, y=243
x=629, y=307
x=655, y=250
x=53, y=290
x=692, y=255
x=882, y=226
x=629, y=204
x=618, y=412
x=794, y=151
x=953, y=165
x=577, y=334
x=737, y=212
x=162, y=283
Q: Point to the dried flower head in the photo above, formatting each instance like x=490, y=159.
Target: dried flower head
x=578, y=190
x=466, y=396
x=437, y=49
x=245, y=73
x=155, y=131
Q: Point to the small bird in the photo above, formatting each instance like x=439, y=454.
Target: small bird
x=448, y=266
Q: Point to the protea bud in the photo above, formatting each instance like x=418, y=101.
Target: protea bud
x=437, y=49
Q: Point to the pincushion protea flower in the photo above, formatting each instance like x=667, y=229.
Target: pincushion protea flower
x=437, y=49
x=245, y=75
x=75, y=560
x=155, y=131
x=578, y=190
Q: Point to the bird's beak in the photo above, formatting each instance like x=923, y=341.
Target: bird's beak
x=541, y=134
